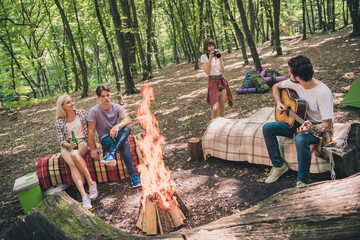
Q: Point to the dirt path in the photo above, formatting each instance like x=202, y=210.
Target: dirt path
x=211, y=189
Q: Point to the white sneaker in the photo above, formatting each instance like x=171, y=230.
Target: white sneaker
x=86, y=202
x=276, y=172
x=93, y=192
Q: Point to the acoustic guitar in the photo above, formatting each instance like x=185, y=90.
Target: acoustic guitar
x=295, y=113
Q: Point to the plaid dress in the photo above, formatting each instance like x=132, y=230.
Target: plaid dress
x=215, y=86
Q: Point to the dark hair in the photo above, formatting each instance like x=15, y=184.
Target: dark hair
x=301, y=67
x=101, y=88
x=208, y=42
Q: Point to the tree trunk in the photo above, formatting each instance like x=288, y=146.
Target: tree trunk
x=110, y=51
x=312, y=15
x=129, y=82
x=138, y=40
x=72, y=42
x=235, y=41
x=252, y=19
x=225, y=25
x=355, y=16
x=304, y=20
x=319, y=14
x=239, y=34
x=201, y=35
x=172, y=18
x=308, y=19
x=249, y=39
x=148, y=9
x=276, y=6
x=129, y=36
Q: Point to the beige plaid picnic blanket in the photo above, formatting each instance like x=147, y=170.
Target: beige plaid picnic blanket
x=242, y=140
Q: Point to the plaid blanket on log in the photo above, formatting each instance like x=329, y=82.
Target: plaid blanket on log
x=243, y=140
x=52, y=170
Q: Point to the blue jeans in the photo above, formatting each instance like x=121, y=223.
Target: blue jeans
x=123, y=145
x=302, y=143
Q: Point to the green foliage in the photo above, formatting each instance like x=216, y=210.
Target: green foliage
x=36, y=56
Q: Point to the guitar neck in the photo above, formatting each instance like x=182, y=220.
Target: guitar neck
x=296, y=117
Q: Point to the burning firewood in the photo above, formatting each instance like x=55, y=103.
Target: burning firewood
x=161, y=208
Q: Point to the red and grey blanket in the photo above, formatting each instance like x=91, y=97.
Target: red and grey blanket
x=52, y=170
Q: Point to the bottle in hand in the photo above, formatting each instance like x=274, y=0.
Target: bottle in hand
x=74, y=140
x=112, y=139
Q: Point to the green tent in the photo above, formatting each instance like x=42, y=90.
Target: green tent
x=352, y=98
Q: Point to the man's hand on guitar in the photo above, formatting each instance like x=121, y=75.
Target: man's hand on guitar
x=305, y=127
x=280, y=108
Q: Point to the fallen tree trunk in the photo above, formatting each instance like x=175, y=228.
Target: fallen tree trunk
x=327, y=210
x=330, y=210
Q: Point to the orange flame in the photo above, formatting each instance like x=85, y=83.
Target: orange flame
x=155, y=176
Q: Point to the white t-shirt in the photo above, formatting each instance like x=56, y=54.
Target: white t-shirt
x=320, y=100
x=76, y=127
x=215, y=64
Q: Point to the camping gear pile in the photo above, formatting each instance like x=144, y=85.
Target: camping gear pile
x=257, y=81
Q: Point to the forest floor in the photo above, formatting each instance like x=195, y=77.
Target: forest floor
x=211, y=189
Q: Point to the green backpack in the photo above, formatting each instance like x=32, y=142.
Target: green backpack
x=259, y=83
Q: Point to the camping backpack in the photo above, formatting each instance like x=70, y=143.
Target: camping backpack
x=272, y=73
x=247, y=83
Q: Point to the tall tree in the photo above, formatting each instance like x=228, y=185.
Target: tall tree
x=276, y=6
x=129, y=82
x=249, y=39
x=110, y=50
x=304, y=20
x=72, y=42
x=148, y=10
x=355, y=16
x=238, y=33
x=139, y=42
x=201, y=35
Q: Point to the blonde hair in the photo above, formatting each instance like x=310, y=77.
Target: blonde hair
x=60, y=112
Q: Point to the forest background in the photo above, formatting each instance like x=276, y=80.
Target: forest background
x=48, y=48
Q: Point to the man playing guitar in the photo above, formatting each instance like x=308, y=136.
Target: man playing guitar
x=319, y=110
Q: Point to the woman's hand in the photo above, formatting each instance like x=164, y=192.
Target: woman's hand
x=95, y=153
x=72, y=145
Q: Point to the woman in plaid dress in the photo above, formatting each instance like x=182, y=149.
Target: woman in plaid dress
x=69, y=119
x=218, y=87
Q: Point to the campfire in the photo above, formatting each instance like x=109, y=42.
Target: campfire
x=161, y=208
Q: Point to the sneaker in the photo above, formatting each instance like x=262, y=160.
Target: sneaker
x=93, y=192
x=86, y=202
x=300, y=184
x=276, y=172
x=109, y=160
x=135, y=181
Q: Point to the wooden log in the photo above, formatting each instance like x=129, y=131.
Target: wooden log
x=195, y=149
x=176, y=215
x=60, y=213
x=326, y=210
x=150, y=221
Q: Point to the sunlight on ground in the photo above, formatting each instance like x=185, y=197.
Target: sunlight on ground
x=168, y=111
x=44, y=110
x=193, y=94
x=89, y=99
x=190, y=116
x=323, y=41
x=348, y=75
x=108, y=201
x=4, y=134
x=338, y=97
x=174, y=146
x=15, y=150
x=177, y=139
